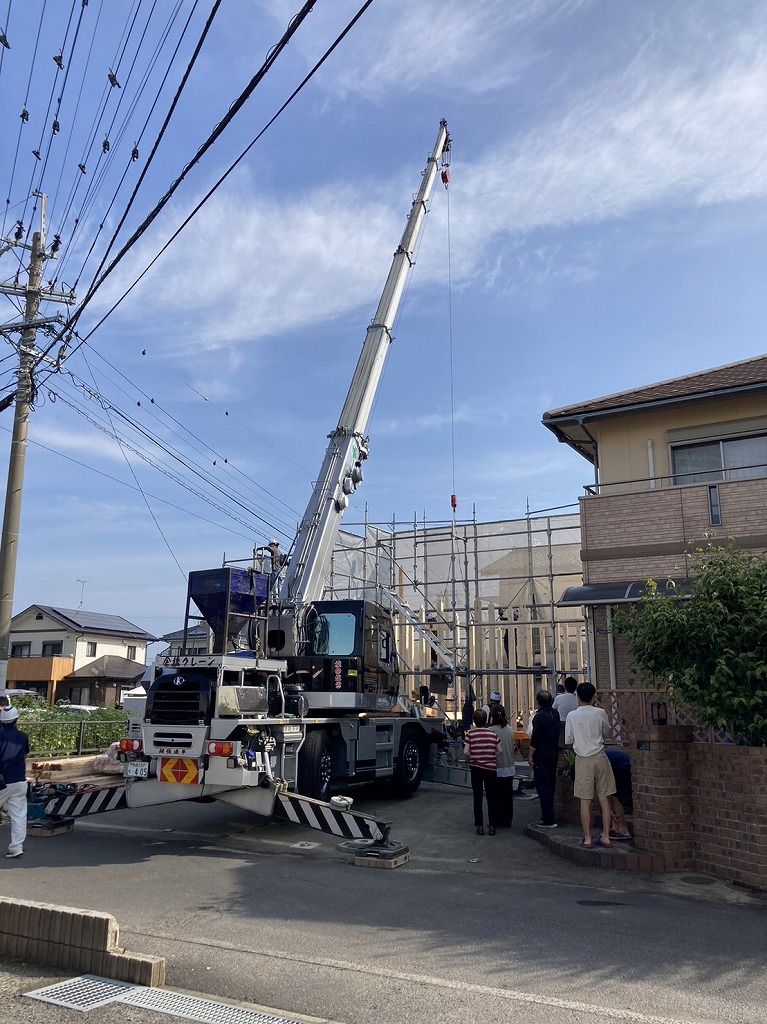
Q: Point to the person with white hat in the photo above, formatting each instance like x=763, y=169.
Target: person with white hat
x=14, y=747
x=495, y=700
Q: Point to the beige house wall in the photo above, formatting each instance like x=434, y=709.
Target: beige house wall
x=632, y=531
x=622, y=440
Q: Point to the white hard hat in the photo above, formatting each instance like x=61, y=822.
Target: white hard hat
x=8, y=715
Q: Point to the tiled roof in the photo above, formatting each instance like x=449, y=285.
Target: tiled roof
x=745, y=375
x=110, y=667
x=95, y=622
x=193, y=633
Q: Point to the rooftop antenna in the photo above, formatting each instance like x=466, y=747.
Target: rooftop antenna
x=82, y=592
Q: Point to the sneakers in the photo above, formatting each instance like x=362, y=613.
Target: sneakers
x=10, y=855
x=542, y=824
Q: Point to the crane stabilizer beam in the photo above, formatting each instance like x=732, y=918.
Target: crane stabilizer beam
x=347, y=450
x=339, y=821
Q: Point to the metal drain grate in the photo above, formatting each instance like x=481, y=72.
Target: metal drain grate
x=84, y=993
x=202, y=1010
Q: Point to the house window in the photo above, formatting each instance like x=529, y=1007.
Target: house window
x=90, y=649
x=728, y=459
x=52, y=650
x=131, y=653
x=21, y=650
x=714, y=506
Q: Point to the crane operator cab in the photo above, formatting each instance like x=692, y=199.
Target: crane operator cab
x=340, y=657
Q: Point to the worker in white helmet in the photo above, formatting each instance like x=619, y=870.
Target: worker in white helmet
x=14, y=747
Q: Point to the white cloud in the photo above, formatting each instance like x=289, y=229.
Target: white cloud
x=645, y=135
x=433, y=421
x=401, y=47
x=651, y=136
x=85, y=444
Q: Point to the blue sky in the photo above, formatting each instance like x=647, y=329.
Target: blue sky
x=603, y=230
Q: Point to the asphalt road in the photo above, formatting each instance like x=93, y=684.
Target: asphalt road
x=472, y=929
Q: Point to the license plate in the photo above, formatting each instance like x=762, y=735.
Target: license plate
x=136, y=770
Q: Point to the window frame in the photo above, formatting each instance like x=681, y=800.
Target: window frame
x=723, y=473
x=59, y=644
x=91, y=647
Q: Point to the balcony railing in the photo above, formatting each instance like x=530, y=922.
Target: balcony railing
x=651, y=483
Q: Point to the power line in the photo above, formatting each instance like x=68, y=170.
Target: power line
x=83, y=340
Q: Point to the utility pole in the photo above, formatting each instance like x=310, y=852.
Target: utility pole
x=33, y=294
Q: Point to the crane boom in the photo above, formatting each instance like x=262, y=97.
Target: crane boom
x=341, y=470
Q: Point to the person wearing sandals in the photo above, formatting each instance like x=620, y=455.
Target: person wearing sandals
x=504, y=785
x=586, y=730
x=482, y=747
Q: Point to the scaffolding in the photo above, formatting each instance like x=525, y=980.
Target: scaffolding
x=474, y=604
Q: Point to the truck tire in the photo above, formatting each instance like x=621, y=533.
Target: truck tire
x=315, y=766
x=411, y=763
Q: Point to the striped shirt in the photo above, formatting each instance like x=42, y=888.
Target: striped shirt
x=484, y=746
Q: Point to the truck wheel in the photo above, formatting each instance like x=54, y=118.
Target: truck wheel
x=314, y=766
x=410, y=764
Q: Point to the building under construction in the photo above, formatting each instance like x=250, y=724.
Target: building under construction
x=475, y=604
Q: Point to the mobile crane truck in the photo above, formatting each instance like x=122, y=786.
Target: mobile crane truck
x=297, y=694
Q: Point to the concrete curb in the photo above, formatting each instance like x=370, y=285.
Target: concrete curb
x=79, y=940
x=623, y=857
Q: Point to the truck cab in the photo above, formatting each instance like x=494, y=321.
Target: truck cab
x=340, y=657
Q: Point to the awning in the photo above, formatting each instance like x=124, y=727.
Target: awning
x=620, y=593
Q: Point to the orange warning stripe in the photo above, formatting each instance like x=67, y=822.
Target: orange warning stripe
x=179, y=769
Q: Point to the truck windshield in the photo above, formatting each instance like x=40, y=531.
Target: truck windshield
x=334, y=634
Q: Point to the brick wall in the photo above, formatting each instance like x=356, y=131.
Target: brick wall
x=701, y=806
x=662, y=808
x=728, y=796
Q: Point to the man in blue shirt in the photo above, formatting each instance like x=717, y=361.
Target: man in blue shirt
x=14, y=747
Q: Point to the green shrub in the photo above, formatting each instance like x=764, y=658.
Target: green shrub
x=709, y=649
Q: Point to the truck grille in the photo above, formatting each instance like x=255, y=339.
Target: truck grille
x=179, y=699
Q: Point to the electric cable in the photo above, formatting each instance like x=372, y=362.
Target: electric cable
x=234, y=419
x=24, y=116
x=218, y=130
x=176, y=456
x=205, y=198
x=218, y=456
x=142, y=454
x=141, y=490
x=143, y=129
x=221, y=463
x=37, y=153
x=123, y=483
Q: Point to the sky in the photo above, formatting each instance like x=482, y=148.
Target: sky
x=603, y=229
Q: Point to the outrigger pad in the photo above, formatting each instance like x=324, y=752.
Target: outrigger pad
x=376, y=855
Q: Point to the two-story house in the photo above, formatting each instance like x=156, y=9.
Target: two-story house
x=197, y=641
x=78, y=656
x=673, y=463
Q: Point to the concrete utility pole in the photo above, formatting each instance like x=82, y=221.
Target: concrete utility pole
x=9, y=544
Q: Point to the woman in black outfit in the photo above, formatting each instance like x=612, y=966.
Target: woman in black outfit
x=544, y=750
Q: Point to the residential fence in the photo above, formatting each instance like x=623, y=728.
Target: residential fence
x=55, y=739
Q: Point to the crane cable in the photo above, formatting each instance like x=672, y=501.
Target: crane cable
x=445, y=176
